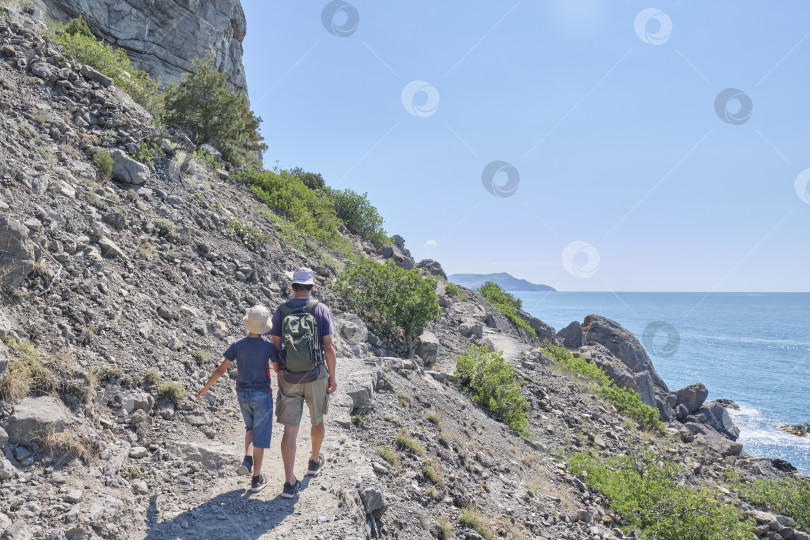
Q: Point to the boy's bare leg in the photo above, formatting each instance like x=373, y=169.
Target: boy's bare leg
x=318, y=433
x=288, y=452
x=248, y=442
x=258, y=456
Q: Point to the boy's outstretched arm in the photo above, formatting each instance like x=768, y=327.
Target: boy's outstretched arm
x=219, y=372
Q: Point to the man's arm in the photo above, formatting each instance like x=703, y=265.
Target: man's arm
x=331, y=362
x=219, y=372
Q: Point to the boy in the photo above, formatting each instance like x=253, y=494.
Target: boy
x=253, y=356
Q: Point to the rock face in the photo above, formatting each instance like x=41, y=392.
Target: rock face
x=33, y=417
x=432, y=267
x=716, y=416
x=544, y=332
x=622, y=344
x=164, y=38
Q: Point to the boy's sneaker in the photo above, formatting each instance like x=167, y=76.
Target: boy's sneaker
x=246, y=467
x=291, y=489
x=316, y=466
x=258, y=483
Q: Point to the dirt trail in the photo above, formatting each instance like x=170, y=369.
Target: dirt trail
x=229, y=510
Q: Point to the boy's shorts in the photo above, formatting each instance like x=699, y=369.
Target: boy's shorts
x=291, y=398
x=257, y=411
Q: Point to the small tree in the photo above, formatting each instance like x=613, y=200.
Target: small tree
x=203, y=103
x=359, y=215
x=391, y=298
x=311, y=180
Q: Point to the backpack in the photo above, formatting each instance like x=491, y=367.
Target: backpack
x=301, y=353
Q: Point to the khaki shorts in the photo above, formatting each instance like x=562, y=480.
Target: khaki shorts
x=291, y=397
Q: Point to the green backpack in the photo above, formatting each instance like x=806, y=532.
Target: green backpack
x=299, y=337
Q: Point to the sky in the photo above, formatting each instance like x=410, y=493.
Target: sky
x=587, y=145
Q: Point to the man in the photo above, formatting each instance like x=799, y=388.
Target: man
x=293, y=341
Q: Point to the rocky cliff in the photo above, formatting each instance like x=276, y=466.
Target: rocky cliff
x=165, y=37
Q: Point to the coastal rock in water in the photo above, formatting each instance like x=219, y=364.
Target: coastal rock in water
x=622, y=344
x=692, y=396
x=800, y=430
x=716, y=416
x=571, y=337
x=154, y=33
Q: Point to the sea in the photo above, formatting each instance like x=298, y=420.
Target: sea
x=752, y=348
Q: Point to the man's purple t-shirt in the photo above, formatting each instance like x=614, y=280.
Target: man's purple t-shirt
x=323, y=318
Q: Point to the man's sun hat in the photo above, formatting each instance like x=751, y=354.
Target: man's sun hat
x=303, y=276
x=257, y=320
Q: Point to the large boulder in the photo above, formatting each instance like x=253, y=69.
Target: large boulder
x=18, y=254
x=708, y=437
x=620, y=374
x=127, y=170
x=622, y=344
x=432, y=267
x=715, y=415
x=692, y=396
x=33, y=418
x=154, y=35
x=398, y=253
x=544, y=332
x=571, y=337
x=427, y=347
x=351, y=328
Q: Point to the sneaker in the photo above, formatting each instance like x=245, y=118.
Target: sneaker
x=258, y=483
x=246, y=467
x=291, y=489
x=316, y=466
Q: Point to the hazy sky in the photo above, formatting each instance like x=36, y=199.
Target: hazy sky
x=583, y=144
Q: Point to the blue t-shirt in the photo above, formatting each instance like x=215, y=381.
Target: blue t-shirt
x=323, y=317
x=252, y=357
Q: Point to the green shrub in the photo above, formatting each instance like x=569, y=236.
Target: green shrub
x=451, y=289
x=506, y=304
x=247, y=232
x=392, y=299
x=147, y=153
x=82, y=46
x=313, y=181
x=788, y=496
x=209, y=160
x=644, y=490
x=626, y=401
x=493, y=385
x=103, y=161
x=359, y=215
x=203, y=103
x=309, y=215
x=172, y=391
x=164, y=224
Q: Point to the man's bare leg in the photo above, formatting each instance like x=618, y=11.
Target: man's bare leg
x=288, y=452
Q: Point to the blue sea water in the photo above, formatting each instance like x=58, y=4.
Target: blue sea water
x=753, y=348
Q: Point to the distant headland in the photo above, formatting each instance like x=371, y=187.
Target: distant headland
x=506, y=281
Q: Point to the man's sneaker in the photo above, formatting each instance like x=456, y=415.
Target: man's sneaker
x=246, y=467
x=316, y=466
x=258, y=483
x=291, y=489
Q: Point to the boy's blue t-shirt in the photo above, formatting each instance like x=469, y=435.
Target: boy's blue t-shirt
x=252, y=357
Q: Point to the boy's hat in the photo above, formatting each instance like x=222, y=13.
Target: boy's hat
x=303, y=276
x=257, y=320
